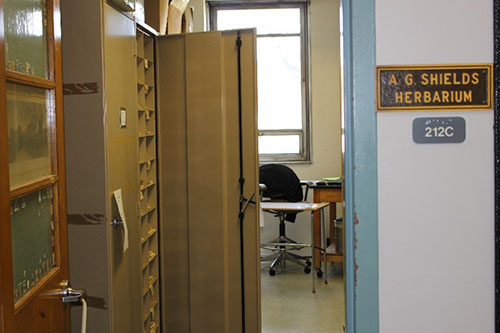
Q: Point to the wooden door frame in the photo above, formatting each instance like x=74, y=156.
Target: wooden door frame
x=54, y=82
x=5, y=238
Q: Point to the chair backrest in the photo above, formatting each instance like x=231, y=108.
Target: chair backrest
x=281, y=183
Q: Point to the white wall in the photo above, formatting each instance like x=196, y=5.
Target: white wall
x=199, y=15
x=436, y=201
x=325, y=91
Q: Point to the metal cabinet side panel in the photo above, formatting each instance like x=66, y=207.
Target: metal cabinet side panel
x=173, y=183
x=208, y=251
x=85, y=160
x=122, y=160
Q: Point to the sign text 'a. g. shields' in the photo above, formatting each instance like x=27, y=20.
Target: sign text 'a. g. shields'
x=434, y=87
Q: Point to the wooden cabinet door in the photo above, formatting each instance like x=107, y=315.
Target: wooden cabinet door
x=33, y=241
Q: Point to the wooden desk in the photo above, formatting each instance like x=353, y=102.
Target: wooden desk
x=332, y=194
x=295, y=207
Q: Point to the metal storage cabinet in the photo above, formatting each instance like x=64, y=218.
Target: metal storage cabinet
x=100, y=80
x=182, y=267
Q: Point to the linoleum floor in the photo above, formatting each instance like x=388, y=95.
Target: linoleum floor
x=288, y=305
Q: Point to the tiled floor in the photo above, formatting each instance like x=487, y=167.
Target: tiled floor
x=288, y=305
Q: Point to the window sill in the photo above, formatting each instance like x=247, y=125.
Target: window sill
x=283, y=161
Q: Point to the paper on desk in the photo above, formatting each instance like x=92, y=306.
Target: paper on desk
x=332, y=178
x=119, y=203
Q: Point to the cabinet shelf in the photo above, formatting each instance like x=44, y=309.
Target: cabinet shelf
x=154, y=304
x=147, y=160
x=154, y=327
x=146, y=211
x=146, y=134
x=150, y=234
x=148, y=185
x=147, y=87
x=146, y=316
x=141, y=58
x=152, y=282
x=151, y=257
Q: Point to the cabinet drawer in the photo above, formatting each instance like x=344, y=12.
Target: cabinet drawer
x=327, y=195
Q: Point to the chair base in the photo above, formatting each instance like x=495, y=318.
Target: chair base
x=282, y=245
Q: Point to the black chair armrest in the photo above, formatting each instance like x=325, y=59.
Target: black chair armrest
x=305, y=183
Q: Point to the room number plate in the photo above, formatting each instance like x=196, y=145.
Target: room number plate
x=439, y=130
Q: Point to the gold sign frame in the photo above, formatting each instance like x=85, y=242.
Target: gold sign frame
x=399, y=69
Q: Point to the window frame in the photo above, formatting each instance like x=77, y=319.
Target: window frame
x=304, y=155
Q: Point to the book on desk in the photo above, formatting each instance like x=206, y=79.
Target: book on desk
x=334, y=183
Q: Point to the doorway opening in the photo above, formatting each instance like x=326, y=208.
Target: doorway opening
x=300, y=126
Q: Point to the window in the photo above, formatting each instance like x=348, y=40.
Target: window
x=282, y=72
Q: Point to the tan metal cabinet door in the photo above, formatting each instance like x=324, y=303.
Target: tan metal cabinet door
x=198, y=150
x=121, y=147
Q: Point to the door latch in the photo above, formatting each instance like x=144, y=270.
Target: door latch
x=70, y=295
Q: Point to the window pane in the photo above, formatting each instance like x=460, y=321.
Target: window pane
x=26, y=36
x=30, y=117
x=33, y=253
x=279, y=83
x=279, y=144
x=267, y=21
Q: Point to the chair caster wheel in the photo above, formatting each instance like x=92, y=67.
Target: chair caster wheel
x=272, y=272
x=307, y=269
x=308, y=263
x=319, y=273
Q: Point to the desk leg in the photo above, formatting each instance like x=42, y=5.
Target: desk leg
x=317, y=235
x=323, y=245
x=333, y=216
x=313, y=251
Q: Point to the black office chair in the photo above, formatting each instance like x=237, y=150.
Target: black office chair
x=282, y=184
